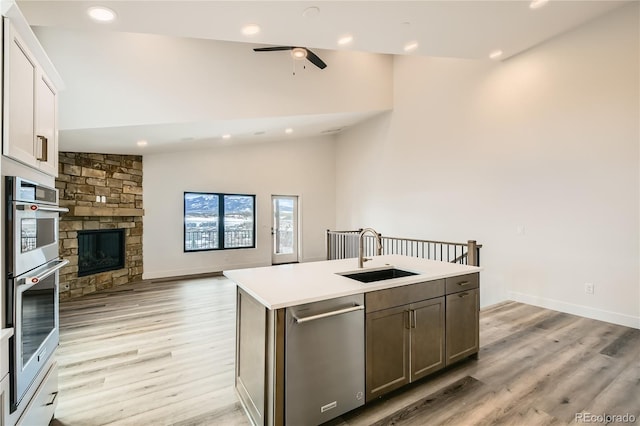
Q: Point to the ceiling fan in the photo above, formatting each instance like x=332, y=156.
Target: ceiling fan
x=297, y=53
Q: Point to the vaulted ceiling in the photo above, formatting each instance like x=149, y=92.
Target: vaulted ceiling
x=456, y=29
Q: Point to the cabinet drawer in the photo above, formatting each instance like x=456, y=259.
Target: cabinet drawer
x=397, y=296
x=43, y=404
x=461, y=283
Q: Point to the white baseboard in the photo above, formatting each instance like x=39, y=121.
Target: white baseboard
x=195, y=271
x=152, y=275
x=312, y=259
x=580, y=310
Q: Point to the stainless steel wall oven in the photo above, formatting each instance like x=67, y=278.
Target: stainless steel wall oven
x=32, y=265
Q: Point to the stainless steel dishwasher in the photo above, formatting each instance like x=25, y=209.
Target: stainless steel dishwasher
x=324, y=360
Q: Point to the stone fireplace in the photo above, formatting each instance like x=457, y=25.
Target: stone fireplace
x=101, y=236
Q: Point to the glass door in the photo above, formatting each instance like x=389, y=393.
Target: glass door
x=284, y=229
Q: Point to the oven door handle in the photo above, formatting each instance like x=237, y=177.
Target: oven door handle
x=37, y=207
x=33, y=280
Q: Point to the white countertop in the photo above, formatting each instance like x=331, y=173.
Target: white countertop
x=5, y=333
x=295, y=284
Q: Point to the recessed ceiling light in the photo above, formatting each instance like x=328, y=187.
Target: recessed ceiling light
x=345, y=40
x=495, y=54
x=142, y=143
x=537, y=4
x=250, y=29
x=226, y=136
x=288, y=130
x=411, y=46
x=101, y=14
x=310, y=12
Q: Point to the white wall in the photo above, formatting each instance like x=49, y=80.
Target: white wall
x=134, y=79
x=547, y=141
x=295, y=167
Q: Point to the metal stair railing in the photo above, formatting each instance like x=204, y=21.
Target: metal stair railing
x=344, y=245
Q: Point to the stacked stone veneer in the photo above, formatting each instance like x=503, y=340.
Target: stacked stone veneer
x=81, y=178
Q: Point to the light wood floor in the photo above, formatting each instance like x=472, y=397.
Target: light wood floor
x=162, y=354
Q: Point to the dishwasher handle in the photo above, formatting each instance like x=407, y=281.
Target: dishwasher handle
x=299, y=320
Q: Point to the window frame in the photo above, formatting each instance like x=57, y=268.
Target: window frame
x=221, y=228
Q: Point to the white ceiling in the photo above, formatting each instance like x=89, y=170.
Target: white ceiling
x=460, y=29
x=169, y=137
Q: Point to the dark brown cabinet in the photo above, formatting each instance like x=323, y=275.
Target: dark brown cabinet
x=427, y=337
x=415, y=330
x=462, y=317
x=403, y=343
x=387, y=351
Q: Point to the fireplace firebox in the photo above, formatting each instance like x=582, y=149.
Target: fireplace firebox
x=100, y=250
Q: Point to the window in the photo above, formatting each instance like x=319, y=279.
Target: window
x=218, y=221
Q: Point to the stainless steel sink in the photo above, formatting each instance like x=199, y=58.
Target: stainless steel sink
x=378, y=275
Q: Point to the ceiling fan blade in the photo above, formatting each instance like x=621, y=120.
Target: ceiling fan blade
x=272, y=49
x=313, y=58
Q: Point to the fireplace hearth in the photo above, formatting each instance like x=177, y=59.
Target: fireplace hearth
x=100, y=250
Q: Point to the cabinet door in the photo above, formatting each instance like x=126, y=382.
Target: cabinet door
x=462, y=317
x=427, y=337
x=4, y=401
x=19, y=98
x=42, y=406
x=46, y=143
x=387, y=353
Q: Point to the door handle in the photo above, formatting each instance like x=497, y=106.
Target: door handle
x=300, y=320
x=33, y=280
x=42, y=208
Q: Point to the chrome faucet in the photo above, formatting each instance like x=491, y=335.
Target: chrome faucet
x=361, y=258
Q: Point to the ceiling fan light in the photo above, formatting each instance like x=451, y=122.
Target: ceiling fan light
x=299, y=52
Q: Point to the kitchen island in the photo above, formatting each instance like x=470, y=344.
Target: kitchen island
x=299, y=325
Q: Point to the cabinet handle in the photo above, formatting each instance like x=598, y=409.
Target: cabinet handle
x=463, y=283
x=407, y=319
x=42, y=152
x=52, y=400
x=302, y=320
x=465, y=294
x=414, y=318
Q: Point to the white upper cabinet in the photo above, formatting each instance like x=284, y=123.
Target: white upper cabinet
x=46, y=126
x=30, y=131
